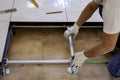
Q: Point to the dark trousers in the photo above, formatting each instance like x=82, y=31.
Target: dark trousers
x=118, y=41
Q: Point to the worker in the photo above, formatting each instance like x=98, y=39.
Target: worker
x=111, y=29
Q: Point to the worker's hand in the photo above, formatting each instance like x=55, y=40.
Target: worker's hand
x=71, y=31
x=78, y=60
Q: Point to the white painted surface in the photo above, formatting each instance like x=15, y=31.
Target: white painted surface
x=5, y=4
x=27, y=13
x=74, y=9
x=3, y=34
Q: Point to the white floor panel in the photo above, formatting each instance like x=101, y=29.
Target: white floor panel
x=3, y=34
x=5, y=4
x=74, y=9
x=27, y=13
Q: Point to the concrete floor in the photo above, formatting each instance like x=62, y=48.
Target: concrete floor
x=50, y=44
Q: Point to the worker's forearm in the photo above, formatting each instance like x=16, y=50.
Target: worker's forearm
x=98, y=50
x=86, y=14
x=107, y=45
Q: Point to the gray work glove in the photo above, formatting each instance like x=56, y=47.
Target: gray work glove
x=71, y=31
x=78, y=59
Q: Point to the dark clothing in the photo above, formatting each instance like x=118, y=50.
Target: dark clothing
x=100, y=10
x=118, y=42
x=114, y=65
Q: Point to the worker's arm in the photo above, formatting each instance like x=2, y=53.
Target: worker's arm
x=107, y=45
x=87, y=12
x=85, y=15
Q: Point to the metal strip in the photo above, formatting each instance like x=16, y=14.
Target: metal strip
x=71, y=45
x=38, y=61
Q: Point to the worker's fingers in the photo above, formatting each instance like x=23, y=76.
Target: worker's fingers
x=73, y=57
x=76, y=66
x=72, y=65
x=72, y=61
x=66, y=35
x=74, y=36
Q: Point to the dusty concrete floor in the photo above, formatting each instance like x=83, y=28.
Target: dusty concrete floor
x=50, y=44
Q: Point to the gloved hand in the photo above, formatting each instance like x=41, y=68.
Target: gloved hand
x=71, y=31
x=78, y=60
